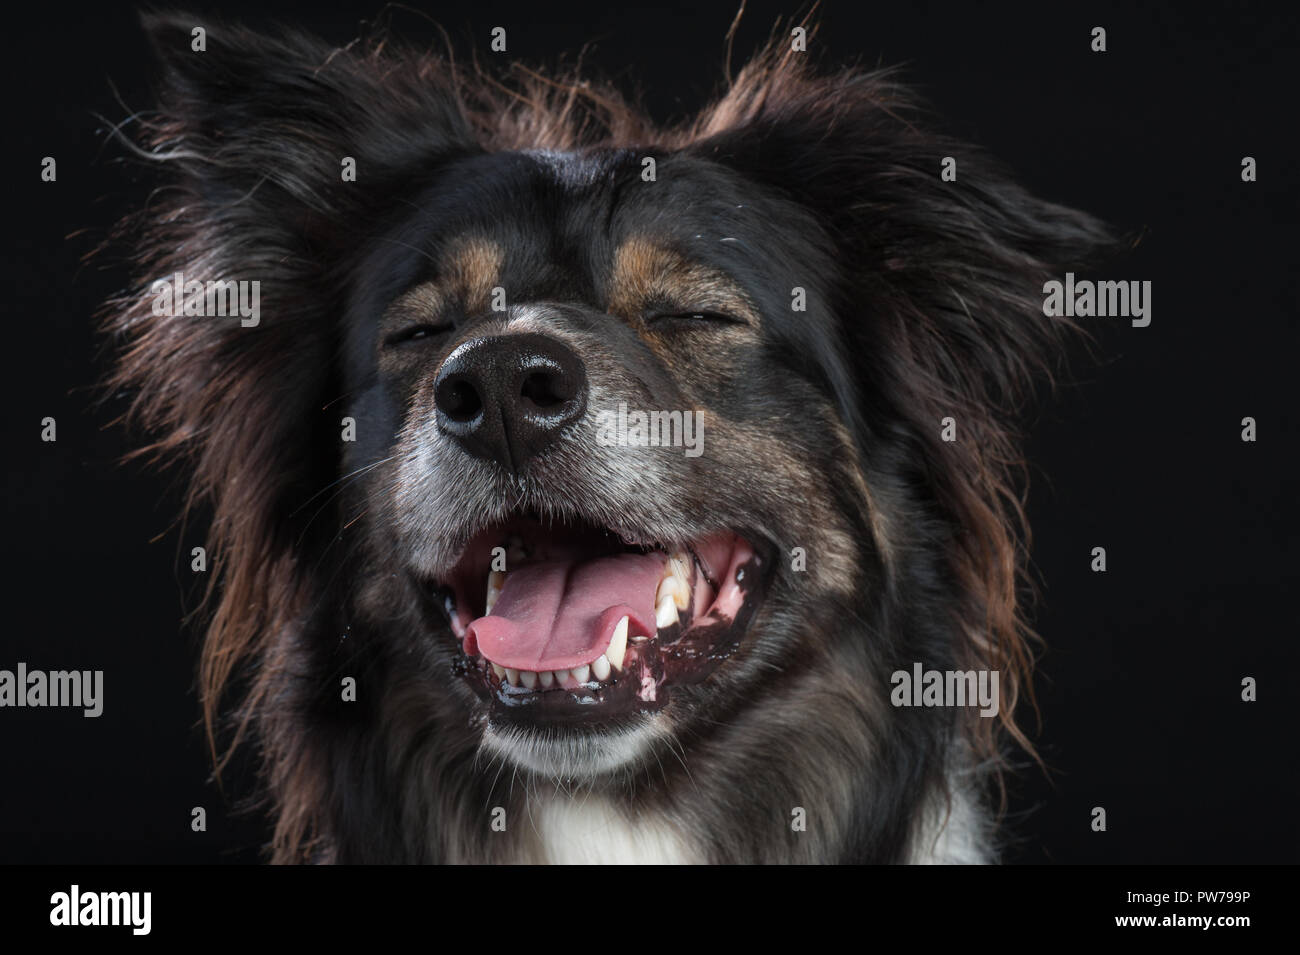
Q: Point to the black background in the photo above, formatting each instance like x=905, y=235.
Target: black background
x=1141, y=453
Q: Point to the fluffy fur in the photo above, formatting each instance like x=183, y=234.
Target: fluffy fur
x=924, y=301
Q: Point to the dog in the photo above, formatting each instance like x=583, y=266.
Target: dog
x=580, y=486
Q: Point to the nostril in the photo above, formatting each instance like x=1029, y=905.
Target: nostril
x=508, y=398
x=458, y=400
x=545, y=390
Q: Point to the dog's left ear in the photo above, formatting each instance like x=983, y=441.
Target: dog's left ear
x=929, y=233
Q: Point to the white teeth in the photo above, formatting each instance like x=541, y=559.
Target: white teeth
x=675, y=589
x=665, y=612
x=496, y=580
x=599, y=669
x=676, y=583
x=618, y=645
x=681, y=593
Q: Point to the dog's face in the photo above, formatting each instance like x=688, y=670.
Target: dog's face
x=596, y=447
x=595, y=584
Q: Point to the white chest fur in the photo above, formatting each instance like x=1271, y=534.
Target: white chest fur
x=588, y=830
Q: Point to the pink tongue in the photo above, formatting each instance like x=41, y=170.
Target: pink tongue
x=556, y=615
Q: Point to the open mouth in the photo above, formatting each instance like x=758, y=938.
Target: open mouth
x=568, y=621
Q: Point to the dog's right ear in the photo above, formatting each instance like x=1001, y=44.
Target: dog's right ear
x=282, y=139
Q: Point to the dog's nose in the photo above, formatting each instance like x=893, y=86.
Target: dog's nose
x=506, y=398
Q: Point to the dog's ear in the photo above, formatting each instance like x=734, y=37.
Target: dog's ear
x=938, y=294
x=924, y=226
x=287, y=137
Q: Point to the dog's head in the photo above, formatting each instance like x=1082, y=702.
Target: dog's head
x=575, y=438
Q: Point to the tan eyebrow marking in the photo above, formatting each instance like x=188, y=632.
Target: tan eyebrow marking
x=468, y=271
x=645, y=271
x=471, y=269
x=414, y=304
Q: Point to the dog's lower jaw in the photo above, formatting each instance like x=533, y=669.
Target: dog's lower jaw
x=573, y=759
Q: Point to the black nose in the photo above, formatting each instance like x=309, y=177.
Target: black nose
x=507, y=397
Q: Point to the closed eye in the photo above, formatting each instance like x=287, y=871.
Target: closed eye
x=416, y=333
x=701, y=317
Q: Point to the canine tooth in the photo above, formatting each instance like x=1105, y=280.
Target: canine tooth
x=618, y=645
x=512, y=676
x=674, y=588
x=528, y=678
x=682, y=581
x=582, y=674
x=496, y=580
x=600, y=669
x=682, y=595
x=499, y=670
x=547, y=678
x=666, y=612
